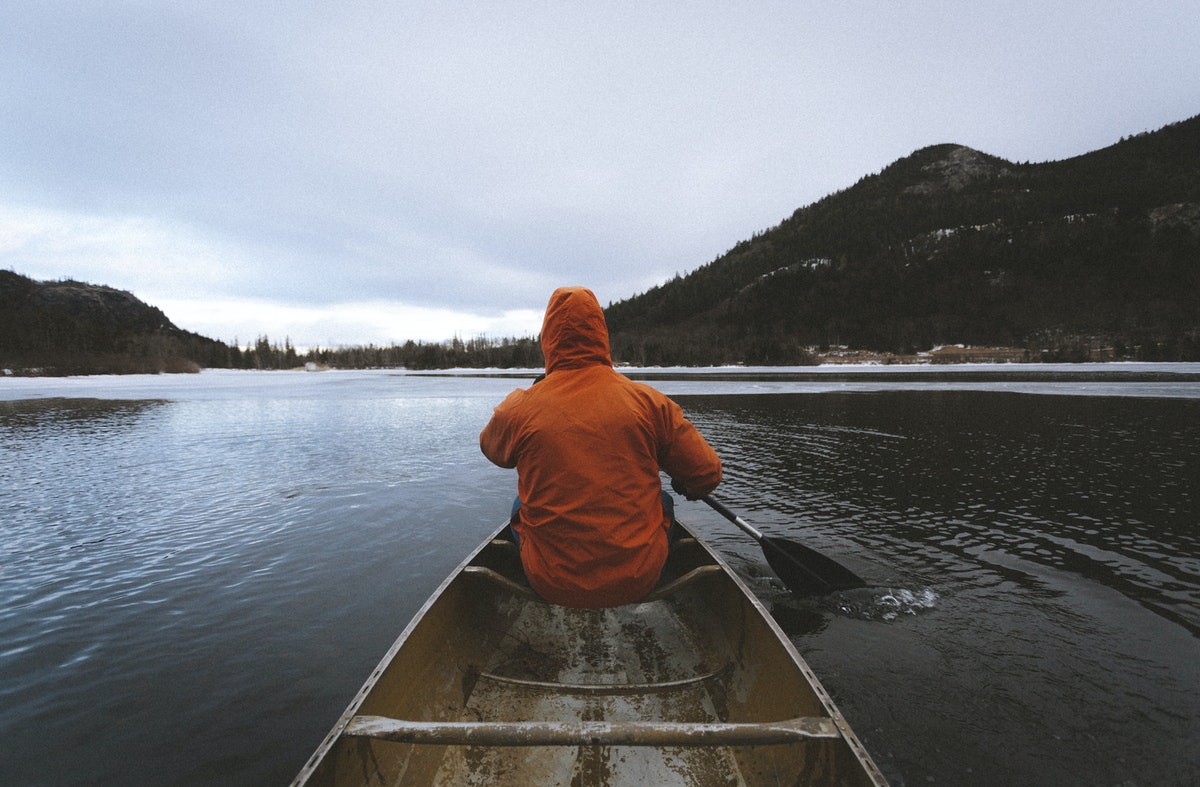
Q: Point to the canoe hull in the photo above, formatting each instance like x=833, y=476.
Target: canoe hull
x=489, y=684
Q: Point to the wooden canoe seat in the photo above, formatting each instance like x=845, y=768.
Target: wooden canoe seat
x=591, y=733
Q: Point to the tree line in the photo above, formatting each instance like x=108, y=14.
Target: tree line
x=475, y=353
x=68, y=327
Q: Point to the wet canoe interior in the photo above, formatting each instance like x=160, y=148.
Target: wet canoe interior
x=697, y=654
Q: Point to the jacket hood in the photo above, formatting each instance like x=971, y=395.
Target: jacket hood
x=574, y=333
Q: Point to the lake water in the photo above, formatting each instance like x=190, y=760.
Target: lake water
x=198, y=572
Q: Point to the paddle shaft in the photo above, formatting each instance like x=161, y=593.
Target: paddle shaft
x=720, y=508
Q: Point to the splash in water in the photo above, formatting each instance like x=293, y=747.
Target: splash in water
x=882, y=603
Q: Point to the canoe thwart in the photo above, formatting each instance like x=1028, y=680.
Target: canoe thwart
x=496, y=577
x=591, y=733
x=674, y=586
x=608, y=689
x=504, y=545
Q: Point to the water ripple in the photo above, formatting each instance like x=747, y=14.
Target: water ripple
x=218, y=573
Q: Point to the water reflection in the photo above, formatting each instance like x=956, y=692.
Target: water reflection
x=54, y=412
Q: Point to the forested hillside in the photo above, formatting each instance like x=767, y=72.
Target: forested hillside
x=1096, y=256
x=68, y=327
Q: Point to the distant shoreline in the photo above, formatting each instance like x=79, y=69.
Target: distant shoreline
x=1123, y=378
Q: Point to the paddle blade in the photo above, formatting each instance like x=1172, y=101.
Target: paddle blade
x=806, y=571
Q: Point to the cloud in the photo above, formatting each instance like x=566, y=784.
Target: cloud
x=466, y=159
x=382, y=323
x=114, y=250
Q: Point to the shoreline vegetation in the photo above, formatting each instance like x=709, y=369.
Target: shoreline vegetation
x=69, y=328
x=523, y=355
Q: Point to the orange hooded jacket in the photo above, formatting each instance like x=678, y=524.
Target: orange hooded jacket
x=588, y=444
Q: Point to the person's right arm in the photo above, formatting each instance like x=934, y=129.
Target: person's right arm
x=499, y=439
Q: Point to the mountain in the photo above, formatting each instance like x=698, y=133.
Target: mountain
x=1096, y=256
x=68, y=327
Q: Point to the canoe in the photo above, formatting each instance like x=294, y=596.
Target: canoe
x=696, y=684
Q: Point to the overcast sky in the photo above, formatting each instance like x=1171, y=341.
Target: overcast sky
x=340, y=173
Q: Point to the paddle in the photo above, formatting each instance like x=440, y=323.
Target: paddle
x=804, y=571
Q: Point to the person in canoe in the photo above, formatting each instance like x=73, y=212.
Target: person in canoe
x=588, y=444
